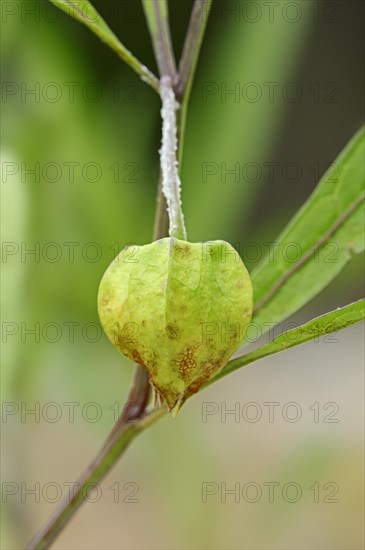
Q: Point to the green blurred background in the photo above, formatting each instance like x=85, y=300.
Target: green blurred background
x=111, y=119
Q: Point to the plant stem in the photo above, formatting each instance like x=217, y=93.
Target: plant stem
x=107, y=456
x=187, y=66
x=161, y=226
x=191, y=49
x=171, y=184
x=156, y=12
x=134, y=418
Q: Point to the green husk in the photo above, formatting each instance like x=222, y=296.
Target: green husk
x=178, y=308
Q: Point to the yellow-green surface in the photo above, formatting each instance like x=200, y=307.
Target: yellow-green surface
x=180, y=309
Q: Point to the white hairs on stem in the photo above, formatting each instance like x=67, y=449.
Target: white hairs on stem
x=171, y=184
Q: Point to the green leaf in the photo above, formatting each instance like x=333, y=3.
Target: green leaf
x=84, y=11
x=320, y=326
x=317, y=243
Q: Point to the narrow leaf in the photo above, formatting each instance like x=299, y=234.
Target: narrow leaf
x=84, y=11
x=317, y=243
x=320, y=326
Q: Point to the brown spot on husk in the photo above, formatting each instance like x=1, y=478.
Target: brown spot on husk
x=185, y=362
x=173, y=331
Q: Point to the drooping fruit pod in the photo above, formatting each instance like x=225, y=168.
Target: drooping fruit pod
x=179, y=309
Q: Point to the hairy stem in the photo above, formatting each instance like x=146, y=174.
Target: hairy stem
x=171, y=184
x=185, y=77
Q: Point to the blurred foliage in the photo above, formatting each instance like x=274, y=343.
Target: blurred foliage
x=122, y=128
